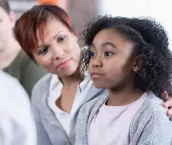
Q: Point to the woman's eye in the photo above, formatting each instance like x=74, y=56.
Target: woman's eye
x=108, y=53
x=60, y=39
x=43, y=50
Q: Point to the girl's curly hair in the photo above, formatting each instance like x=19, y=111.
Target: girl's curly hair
x=150, y=43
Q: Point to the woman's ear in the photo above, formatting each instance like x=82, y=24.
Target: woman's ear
x=136, y=63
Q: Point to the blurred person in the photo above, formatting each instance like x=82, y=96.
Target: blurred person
x=13, y=59
x=17, y=126
x=47, y=35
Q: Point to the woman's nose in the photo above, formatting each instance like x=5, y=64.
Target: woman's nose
x=58, y=53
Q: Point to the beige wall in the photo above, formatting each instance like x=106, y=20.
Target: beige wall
x=81, y=11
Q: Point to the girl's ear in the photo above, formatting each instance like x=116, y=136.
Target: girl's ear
x=136, y=63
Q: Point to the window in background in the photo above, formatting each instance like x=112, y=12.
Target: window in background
x=158, y=9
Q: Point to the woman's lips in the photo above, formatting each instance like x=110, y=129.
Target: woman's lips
x=64, y=64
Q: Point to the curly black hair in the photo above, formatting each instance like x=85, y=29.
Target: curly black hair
x=150, y=43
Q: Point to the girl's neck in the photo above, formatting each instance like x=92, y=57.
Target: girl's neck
x=121, y=97
x=9, y=53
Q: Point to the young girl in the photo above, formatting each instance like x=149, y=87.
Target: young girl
x=130, y=58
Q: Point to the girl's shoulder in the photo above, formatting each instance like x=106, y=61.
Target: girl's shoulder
x=153, y=105
x=151, y=123
x=152, y=108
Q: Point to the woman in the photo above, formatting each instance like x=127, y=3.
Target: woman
x=47, y=35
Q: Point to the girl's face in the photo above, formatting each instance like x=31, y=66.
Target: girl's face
x=60, y=52
x=111, y=64
x=7, y=22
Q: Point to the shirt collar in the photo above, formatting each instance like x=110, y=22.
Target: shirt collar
x=56, y=81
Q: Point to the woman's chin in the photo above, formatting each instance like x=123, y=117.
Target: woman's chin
x=67, y=73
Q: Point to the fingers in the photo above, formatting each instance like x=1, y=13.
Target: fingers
x=168, y=103
x=169, y=113
x=164, y=96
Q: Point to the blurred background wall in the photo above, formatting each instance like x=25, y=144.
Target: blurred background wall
x=159, y=9
x=81, y=11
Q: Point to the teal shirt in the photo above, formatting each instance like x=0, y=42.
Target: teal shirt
x=25, y=71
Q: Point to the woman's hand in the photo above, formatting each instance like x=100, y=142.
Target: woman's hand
x=167, y=103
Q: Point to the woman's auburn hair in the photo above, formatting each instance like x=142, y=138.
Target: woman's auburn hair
x=34, y=21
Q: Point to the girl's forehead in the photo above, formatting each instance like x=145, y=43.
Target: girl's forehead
x=112, y=40
x=107, y=35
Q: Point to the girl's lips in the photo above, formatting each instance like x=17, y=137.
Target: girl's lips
x=96, y=75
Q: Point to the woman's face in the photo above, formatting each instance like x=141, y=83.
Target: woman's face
x=7, y=22
x=59, y=52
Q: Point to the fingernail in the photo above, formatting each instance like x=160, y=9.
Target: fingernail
x=165, y=105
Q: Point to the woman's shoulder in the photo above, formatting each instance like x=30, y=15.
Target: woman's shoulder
x=42, y=86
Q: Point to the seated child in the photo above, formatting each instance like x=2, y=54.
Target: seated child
x=131, y=58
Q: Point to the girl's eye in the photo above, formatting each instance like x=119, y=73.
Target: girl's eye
x=61, y=38
x=43, y=50
x=108, y=53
